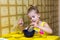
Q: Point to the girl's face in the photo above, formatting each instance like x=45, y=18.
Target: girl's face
x=34, y=17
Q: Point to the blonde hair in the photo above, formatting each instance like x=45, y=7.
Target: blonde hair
x=33, y=8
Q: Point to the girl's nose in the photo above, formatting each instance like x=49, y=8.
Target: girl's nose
x=33, y=18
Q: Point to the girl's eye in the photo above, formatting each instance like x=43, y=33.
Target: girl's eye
x=33, y=16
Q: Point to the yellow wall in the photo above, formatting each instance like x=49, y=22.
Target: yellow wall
x=12, y=10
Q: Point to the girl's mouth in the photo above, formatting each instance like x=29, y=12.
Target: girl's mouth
x=33, y=21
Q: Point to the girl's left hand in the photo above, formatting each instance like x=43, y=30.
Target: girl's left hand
x=36, y=25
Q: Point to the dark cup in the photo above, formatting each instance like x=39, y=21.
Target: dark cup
x=28, y=34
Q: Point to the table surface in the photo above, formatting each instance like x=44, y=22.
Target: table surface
x=16, y=36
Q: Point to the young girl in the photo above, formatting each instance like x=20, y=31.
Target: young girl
x=39, y=26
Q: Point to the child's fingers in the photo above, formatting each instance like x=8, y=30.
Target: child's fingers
x=32, y=24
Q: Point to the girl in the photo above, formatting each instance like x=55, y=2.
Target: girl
x=39, y=26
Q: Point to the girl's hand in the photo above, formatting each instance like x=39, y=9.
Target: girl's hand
x=20, y=22
x=34, y=24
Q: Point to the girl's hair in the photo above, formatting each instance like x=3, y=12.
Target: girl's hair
x=33, y=8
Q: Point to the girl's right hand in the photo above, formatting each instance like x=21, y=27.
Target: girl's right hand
x=34, y=24
x=20, y=22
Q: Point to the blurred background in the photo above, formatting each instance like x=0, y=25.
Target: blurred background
x=12, y=10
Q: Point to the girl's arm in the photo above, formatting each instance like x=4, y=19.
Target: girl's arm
x=18, y=24
x=46, y=28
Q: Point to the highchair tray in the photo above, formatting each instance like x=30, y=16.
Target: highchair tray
x=16, y=36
